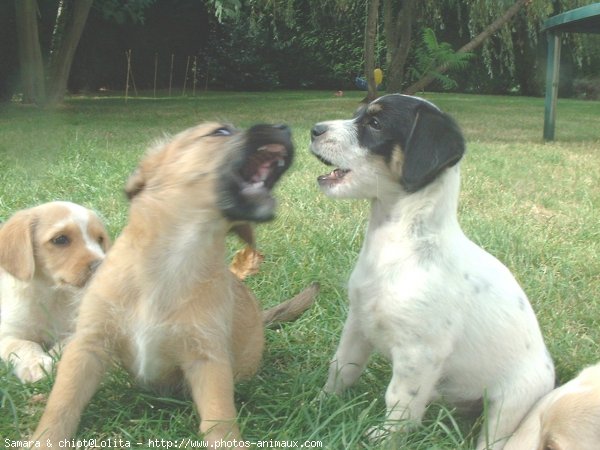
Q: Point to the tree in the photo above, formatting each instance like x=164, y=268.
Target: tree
x=30, y=53
x=398, y=20
x=47, y=85
x=397, y=27
x=67, y=31
x=70, y=24
x=370, y=37
x=472, y=45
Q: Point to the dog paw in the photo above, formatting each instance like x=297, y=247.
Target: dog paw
x=34, y=369
x=378, y=434
x=324, y=395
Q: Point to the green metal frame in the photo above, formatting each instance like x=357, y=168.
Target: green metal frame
x=581, y=20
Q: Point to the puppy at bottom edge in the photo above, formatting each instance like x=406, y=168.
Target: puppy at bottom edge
x=567, y=418
x=164, y=303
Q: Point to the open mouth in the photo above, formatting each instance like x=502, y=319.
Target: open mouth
x=336, y=176
x=262, y=170
x=267, y=154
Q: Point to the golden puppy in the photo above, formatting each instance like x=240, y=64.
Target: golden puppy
x=48, y=253
x=164, y=303
x=567, y=418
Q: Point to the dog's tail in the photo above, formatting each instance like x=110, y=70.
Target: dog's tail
x=247, y=262
x=291, y=309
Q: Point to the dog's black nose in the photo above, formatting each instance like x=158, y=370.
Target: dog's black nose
x=318, y=130
x=283, y=127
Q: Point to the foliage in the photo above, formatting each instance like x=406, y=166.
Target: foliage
x=308, y=47
x=513, y=59
x=266, y=44
x=238, y=59
x=226, y=9
x=120, y=11
x=432, y=54
x=587, y=88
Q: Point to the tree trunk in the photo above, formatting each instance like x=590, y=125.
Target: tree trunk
x=398, y=36
x=472, y=45
x=60, y=66
x=30, y=52
x=370, y=38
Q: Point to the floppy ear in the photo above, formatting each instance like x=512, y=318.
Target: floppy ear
x=435, y=143
x=138, y=179
x=135, y=183
x=16, y=246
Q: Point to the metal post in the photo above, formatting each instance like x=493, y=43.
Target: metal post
x=552, y=76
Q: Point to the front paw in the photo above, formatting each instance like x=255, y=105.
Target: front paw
x=324, y=394
x=379, y=433
x=34, y=369
x=333, y=386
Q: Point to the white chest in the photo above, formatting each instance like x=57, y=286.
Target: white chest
x=389, y=301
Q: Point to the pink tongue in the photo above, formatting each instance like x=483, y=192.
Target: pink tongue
x=262, y=173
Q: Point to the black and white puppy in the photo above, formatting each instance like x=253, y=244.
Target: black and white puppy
x=450, y=316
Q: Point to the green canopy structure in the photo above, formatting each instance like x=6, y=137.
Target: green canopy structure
x=581, y=20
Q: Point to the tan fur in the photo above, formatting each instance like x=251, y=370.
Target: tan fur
x=396, y=161
x=568, y=418
x=164, y=303
x=42, y=283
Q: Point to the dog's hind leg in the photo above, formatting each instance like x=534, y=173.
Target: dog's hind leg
x=80, y=371
x=506, y=411
x=350, y=358
x=211, y=384
x=527, y=436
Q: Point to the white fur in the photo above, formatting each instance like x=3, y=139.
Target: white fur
x=81, y=216
x=450, y=316
x=39, y=312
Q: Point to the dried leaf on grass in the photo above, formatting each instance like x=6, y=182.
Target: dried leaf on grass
x=246, y=262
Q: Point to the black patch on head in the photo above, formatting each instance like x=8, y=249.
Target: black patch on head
x=430, y=139
x=239, y=202
x=435, y=144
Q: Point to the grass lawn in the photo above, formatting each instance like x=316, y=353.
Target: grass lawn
x=534, y=205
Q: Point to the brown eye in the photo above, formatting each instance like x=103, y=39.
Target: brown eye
x=61, y=241
x=101, y=240
x=374, y=123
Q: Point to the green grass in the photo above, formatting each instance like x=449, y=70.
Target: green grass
x=532, y=204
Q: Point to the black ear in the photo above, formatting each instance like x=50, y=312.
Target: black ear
x=435, y=143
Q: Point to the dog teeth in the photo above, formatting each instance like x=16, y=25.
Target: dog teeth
x=253, y=188
x=271, y=148
x=334, y=175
